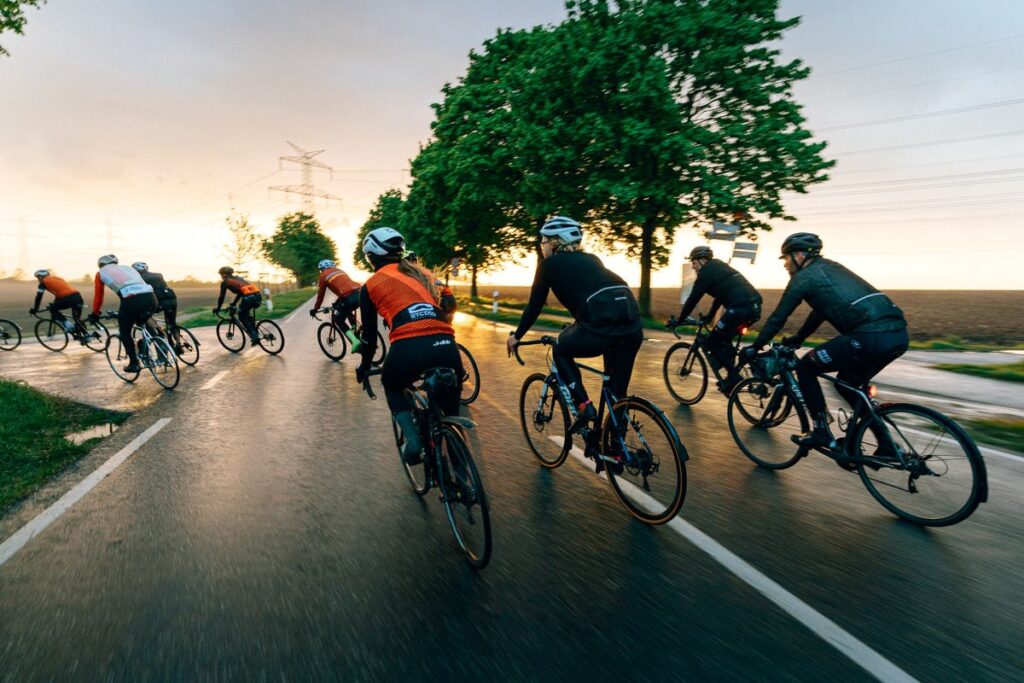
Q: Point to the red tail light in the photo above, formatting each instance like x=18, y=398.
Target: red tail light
x=743, y=330
x=872, y=390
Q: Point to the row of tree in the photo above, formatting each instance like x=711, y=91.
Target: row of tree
x=634, y=116
x=297, y=245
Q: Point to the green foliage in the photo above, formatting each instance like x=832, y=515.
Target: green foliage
x=298, y=245
x=386, y=213
x=244, y=242
x=1008, y=372
x=12, y=17
x=1005, y=433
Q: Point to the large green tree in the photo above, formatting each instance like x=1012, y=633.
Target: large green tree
x=12, y=17
x=386, y=212
x=297, y=245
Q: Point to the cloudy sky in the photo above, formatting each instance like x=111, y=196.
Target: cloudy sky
x=135, y=126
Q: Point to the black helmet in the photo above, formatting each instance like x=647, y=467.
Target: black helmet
x=226, y=270
x=802, y=241
x=701, y=252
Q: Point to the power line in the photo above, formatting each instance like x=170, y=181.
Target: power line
x=902, y=88
x=924, y=115
x=843, y=172
x=933, y=143
x=306, y=190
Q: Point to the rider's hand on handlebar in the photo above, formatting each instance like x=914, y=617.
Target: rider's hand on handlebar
x=32, y=311
x=216, y=311
x=671, y=323
x=362, y=373
x=691, y=321
x=793, y=342
x=313, y=312
x=510, y=344
x=746, y=354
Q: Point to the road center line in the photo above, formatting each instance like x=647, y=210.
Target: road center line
x=26, y=533
x=213, y=380
x=826, y=629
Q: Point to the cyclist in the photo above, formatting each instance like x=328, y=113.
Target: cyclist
x=247, y=298
x=607, y=317
x=64, y=297
x=742, y=308
x=166, y=299
x=137, y=302
x=448, y=303
x=345, y=306
x=872, y=330
x=405, y=296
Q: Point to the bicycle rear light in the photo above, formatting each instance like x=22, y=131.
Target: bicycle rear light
x=872, y=390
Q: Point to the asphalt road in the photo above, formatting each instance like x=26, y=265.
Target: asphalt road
x=267, y=532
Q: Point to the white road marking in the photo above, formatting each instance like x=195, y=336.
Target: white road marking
x=298, y=309
x=854, y=649
x=26, y=533
x=213, y=380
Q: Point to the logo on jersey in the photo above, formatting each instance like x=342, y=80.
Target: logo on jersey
x=420, y=311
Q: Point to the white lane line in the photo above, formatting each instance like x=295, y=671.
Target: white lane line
x=26, y=533
x=823, y=627
x=213, y=380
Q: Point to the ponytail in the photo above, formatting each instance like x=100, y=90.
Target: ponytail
x=421, y=276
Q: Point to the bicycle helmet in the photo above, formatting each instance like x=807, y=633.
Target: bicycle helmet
x=806, y=242
x=106, y=260
x=701, y=252
x=226, y=270
x=383, y=242
x=325, y=264
x=140, y=266
x=42, y=272
x=564, y=228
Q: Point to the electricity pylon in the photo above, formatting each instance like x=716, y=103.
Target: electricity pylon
x=306, y=190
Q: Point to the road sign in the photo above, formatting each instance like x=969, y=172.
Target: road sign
x=747, y=250
x=722, y=231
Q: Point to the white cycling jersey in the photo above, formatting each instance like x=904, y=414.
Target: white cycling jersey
x=124, y=280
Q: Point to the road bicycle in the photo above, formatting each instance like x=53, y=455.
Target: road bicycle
x=155, y=354
x=55, y=334
x=470, y=377
x=232, y=334
x=634, y=443
x=686, y=363
x=184, y=343
x=448, y=463
x=10, y=335
x=917, y=463
x=334, y=343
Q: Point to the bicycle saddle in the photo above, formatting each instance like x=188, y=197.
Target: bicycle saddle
x=439, y=380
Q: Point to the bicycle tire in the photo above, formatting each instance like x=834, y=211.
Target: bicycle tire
x=9, y=331
x=332, y=341
x=676, y=374
x=117, y=357
x=911, y=426
x=51, y=334
x=470, y=388
x=464, y=498
x=189, y=346
x=651, y=505
x=417, y=474
x=381, y=352
x=271, y=338
x=766, y=441
x=163, y=364
x=231, y=336
x=537, y=411
x=96, y=335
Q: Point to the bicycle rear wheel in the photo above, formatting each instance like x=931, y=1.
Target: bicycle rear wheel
x=51, y=334
x=231, y=336
x=188, y=345
x=163, y=364
x=94, y=335
x=271, y=337
x=545, y=420
x=686, y=373
x=652, y=481
x=471, y=383
x=331, y=341
x=418, y=475
x=10, y=335
x=464, y=498
x=762, y=419
x=117, y=358
x=942, y=478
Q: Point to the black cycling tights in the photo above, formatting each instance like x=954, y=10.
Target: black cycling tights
x=619, y=355
x=344, y=311
x=247, y=312
x=72, y=301
x=134, y=310
x=406, y=361
x=718, y=343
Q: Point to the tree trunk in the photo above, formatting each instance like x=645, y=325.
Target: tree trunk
x=472, y=283
x=646, y=256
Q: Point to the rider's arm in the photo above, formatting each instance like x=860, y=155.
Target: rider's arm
x=223, y=292
x=791, y=298
x=97, y=295
x=715, y=305
x=368, y=313
x=700, y=286
x=813, y=322
x=538, y=296
x=321, y=290
x=39, y=297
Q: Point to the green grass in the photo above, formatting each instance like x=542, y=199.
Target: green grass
x=32, y=430
x=1009, y=372
x=1005, y=433
x=284, y=303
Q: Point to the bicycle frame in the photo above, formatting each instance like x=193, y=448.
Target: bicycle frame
x=699, y=337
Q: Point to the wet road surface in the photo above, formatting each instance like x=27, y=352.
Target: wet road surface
x=268, y=532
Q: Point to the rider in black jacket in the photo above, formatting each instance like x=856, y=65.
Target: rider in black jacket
x=729, y=289
x=872, y=330
x=167, y=300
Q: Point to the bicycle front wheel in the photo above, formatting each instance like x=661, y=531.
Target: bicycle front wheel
x=471, y=379
x=162, y=363
x=686, y=373
x=10, y=335
x=331, y=341
x=762, y=418
x=95, y=335
x=117, y=358
x=651, y=481
x=187, y=346
x=52, y=335
x=230, y=335
x=464, y=498
x=545, y=420
x=271, y=337
x=922, y=466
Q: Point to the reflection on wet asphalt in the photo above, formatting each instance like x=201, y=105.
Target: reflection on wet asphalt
x=268, y=532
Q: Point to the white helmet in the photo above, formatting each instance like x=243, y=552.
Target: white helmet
x=325, y=264
x=106, y=260
x=42, y=272
x=384, y=242
x=564, y=228
x=140, y=265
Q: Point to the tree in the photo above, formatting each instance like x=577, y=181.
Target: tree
x=386, y=212
x=298, y=245
x=244, y=243
x=12, y=17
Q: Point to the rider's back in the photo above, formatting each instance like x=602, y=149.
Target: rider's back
x=726, y=284
x=399, y=297
x=845, y=299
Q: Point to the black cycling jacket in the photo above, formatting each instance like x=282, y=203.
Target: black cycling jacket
x=836, y=295
x=723, y=282
x=159, y=285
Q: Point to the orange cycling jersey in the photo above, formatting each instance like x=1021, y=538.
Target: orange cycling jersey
x=396, y=295
x=241, y=286
x=338, y=282
x=58, y=287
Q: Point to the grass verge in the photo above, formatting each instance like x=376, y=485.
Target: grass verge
x=32, y=430
x=1008, y=372
x=1005, y=433
x=284, y=303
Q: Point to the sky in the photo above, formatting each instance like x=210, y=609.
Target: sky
x=137, y=126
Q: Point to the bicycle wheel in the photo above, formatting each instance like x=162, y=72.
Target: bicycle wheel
x=652, y=483
x=417, y=474
x=941, y=479
x=271, y=337
x=686, y=373
x=769, y=420
x=332, y=342
x=10, y=335
x=51, y=334
x=163, y=364
x=545, y=420
x=187, y=348
x=95, y=335
x=231, y=336
x=464, y=498
x=381, y=352
x=471, y=382
x=117, y=357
